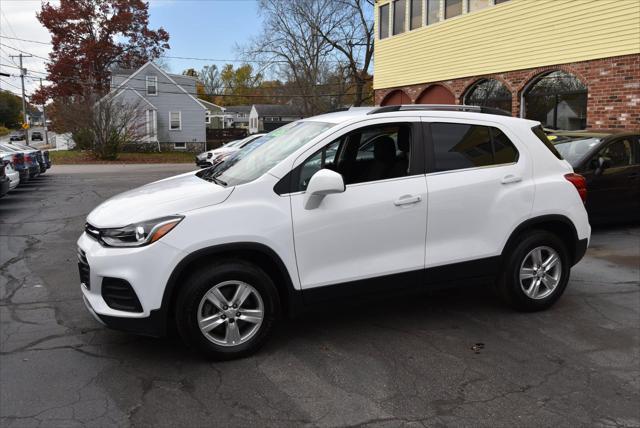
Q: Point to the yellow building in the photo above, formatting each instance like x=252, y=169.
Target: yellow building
x=571, y=64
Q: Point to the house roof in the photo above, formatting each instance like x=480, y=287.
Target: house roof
x=208, y=104
x=238, y=109
x=276, y=110
x=161, y=71
x=130, y=71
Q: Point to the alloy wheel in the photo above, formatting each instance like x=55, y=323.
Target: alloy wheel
x=540, y=272
x=230, y=313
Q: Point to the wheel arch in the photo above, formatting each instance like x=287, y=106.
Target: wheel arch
x=557, y=224
x=258, y=254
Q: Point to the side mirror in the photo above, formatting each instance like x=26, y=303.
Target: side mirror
x=322, y=183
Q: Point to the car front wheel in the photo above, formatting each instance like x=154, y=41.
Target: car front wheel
x=227, y=310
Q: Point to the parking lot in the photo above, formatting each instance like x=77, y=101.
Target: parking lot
x=455, y=357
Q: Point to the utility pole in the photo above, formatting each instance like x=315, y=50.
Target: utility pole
x=44, y=118
x=24, y=100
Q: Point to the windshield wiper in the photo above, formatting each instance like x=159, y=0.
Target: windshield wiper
x=218, y=181
x=207, y=174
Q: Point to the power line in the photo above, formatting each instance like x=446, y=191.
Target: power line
x=245, y=61
x=10, y=84
x=127, y=88
x=142, y=79
x=24, y=40
x=24, y=52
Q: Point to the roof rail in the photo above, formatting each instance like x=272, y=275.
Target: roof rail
x=440, y=107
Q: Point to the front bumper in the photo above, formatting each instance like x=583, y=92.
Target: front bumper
x=146, y=269
x=24, y=174
x=4, y=187
x=155, y=325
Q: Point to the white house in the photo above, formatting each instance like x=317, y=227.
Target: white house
x=267, y=117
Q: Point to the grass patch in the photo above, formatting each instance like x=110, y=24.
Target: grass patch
x=72, y=157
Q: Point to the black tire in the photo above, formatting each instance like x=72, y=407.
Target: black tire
x=198, y=284
x=509, y=286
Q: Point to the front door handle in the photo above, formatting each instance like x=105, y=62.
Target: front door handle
x=507, y=179
x=407, y=200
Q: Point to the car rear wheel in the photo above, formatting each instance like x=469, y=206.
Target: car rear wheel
x=536, y=271
x=227, y=310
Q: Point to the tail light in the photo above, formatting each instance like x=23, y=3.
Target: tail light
x=580, y=184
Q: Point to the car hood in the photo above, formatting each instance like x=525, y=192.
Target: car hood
x=174, y=195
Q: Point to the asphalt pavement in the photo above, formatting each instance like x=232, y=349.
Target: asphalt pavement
x=450, y=358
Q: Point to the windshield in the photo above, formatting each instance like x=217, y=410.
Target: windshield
x=575, y=150
x=264, y=153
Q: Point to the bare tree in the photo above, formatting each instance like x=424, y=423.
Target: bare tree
x=115, y=123
x=299, y=52
x=104, y=126
x=347, y=26
x=211, y=80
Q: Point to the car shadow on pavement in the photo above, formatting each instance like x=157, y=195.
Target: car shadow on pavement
x=410, y=313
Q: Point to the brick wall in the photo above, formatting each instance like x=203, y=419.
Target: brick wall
x=613, y=85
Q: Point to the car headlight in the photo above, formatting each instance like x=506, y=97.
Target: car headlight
x=139, y=234
x=209, y=155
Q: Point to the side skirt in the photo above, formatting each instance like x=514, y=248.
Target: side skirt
x=474, y=272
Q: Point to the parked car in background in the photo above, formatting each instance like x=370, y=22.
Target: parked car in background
x=29, y=157
x=37, y=153
x=10, y=170
x=350, y=189
x=215, y=156
x=18, y=160
x=4, y=181
x=36, y=136
x=611, y=165
x=16, y=136
x=205, y=159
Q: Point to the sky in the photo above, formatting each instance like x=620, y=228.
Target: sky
x=197, y=29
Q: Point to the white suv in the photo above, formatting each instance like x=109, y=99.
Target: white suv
x=359, y=201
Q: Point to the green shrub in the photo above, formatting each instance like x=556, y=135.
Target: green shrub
x=3, y=131
x=83, y=138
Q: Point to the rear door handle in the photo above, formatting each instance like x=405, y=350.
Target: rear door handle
x=507, y=179
x=407, y=200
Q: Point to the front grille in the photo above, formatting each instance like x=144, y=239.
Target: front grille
x=118, y=294
x=92, y=231
x=83, y=268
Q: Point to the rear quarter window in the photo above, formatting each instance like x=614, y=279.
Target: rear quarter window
x=542, y=136
x=461, y=146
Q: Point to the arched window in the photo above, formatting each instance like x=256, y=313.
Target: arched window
x=558, y=100
x=396, y=97
x=489, y=93
x=436, y=94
